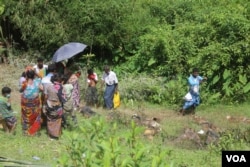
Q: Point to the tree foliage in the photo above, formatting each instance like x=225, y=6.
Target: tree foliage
x=163, y=38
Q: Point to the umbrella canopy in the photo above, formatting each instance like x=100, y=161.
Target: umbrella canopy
x=68, y=50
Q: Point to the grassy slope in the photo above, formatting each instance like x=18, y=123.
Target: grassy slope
x=23, y=148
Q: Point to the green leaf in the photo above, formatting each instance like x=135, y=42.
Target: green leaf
x=106, y=159
x=127, y=162
x=246, y=88
x=214, y=98
x=151, y=61
x=140, y=153
x=215, y=79
x=226, y=73
x=155, y=161
x=243, y=79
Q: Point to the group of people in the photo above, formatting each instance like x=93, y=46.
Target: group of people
x=51, y=97
x=48, y=98
x=109, y=79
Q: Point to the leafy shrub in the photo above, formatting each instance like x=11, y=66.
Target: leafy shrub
x=160, y=90
x=231, y=139
x=165, y=38
x=99, y=143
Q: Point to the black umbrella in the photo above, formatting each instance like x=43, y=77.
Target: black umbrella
x=68, y=50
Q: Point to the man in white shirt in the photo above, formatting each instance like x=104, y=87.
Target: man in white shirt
x=109, y=78
x=40, y=68
x=51, y=71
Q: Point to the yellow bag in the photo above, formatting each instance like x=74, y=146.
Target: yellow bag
x=116, y=100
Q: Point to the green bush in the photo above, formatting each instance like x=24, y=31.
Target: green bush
x=99, y=143
x=163, y=39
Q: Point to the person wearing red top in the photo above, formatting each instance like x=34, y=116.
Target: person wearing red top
x=91, y=97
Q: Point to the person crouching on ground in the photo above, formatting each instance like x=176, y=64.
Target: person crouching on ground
x=8, y=119
x=193, y=96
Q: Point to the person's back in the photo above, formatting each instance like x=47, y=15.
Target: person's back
x=67, y=90
x=68, y=105
x=5, y=110
x=32, y=90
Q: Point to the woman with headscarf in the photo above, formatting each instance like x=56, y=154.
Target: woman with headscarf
x=30, y=103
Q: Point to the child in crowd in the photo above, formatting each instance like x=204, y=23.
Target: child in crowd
x=21, y=80
x=7, y=119
x=68, y=105
x=91, y=97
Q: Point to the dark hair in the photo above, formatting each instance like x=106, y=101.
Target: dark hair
x=52, y=67
x=23, y=74
x=106, y=67
x=56, y=78
x=39, y=59
x=6, y=90
x=65, y=78
x=90, y=71
x=30, y=74
x=195, y=70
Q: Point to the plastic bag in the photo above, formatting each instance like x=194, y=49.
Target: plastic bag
x=188, y=97
x=116, y=100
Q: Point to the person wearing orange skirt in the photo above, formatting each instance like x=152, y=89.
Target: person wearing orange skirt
x=30, y=103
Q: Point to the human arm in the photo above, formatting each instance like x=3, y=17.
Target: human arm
x=24, y=86
x=9, y=102
x=116, y=83
x=202, y=79
x=116, y=87
x=41, y=87
x=102, y=81
x=45, y=93
x=96, y=77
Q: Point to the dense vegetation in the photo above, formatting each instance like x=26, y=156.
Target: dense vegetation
x=164, y=39
x=152, y=45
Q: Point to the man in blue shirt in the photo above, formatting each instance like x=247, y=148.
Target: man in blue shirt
x=192, y=98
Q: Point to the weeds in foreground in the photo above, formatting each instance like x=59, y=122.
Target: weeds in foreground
x=232, y=139
x=98, y=143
